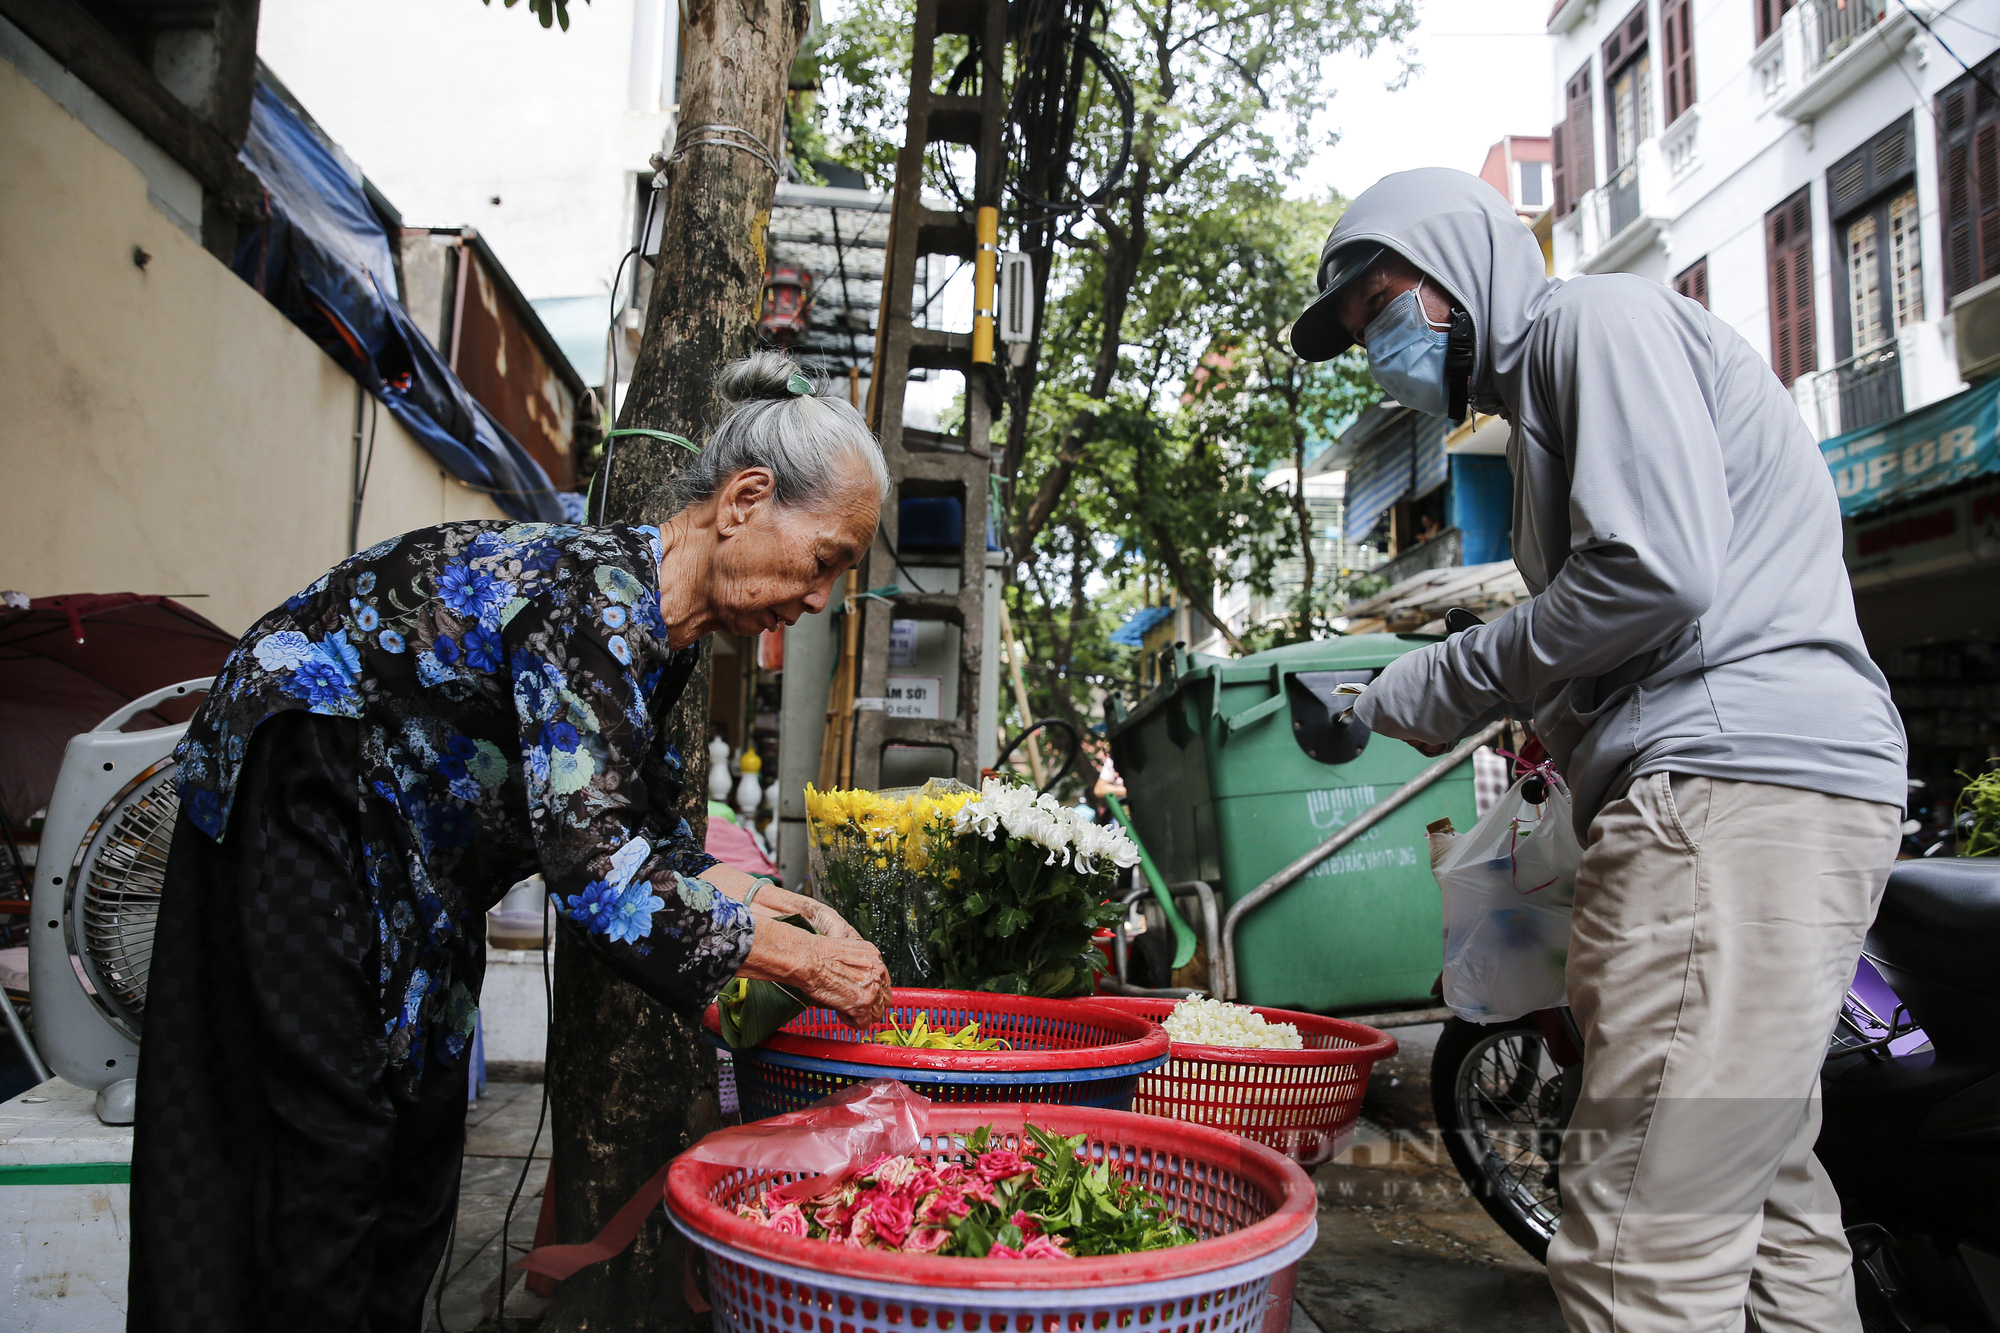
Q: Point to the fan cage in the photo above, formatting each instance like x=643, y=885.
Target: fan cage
x=114, y=895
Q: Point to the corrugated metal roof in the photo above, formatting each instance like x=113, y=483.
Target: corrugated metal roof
x=1404, y=457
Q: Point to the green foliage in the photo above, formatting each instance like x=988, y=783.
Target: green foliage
x=552, y=13
x=1092, y=1207
x=1024, y=927
x=1977, y=814
x=1164, y=392
x=865, y=59
x=805, y=139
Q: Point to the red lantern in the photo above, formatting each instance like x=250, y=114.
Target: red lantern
x=787, y=299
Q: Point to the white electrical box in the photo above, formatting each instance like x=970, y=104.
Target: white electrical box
x=1014, y=318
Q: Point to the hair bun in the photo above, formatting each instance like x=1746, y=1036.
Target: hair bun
x=760, y=376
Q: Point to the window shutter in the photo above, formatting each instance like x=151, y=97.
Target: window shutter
x=1769, y=14
x=1625, y=40
x=1788, y=256
x=1881, y=164
x=1677, y=33
x=1580, y=154
x=1559, y=196
x=1693, y=282
x=1968, y=128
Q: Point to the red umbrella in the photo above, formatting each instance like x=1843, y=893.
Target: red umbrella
x=67, y=663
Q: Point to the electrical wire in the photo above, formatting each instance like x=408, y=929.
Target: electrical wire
x=548, y=1034
x=932, y=293
x=366, y=465
x=1967, y=24
x=1924, y=23
x=846, y=304
x=445, y=1275
x=611, y=346
x=617, y=277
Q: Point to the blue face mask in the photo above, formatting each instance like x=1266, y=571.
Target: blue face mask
x=1407, y=354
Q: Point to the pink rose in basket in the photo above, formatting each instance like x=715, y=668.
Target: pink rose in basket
x=789, y=1221
x=889, y=1215
x=1028, y=1225
x=1044, y=1247
x=1000, y=1251
x=979, y=1191
x=895, y=1172
x=1002, y=1164
x=834, y=1215
x=946, y=1204
x=926, y=1240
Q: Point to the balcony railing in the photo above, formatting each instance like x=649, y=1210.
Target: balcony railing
x=1870, y=388
x=1621, y=199
x=1615, y=223
x=1678, y=145
x=1443, y=550
x=1860, y=392
x=1831, y=26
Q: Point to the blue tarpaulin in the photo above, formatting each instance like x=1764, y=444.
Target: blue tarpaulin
x=323, y=258
x=1132, y=634
x=1918, y=452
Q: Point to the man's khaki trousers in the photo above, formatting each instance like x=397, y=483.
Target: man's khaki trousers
x=1716, y=928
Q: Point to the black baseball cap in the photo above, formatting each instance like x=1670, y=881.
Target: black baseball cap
x=1317, y=335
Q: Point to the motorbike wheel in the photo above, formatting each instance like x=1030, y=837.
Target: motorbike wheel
x=1498, y=1100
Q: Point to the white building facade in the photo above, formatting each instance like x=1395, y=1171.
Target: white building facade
x=470, y=115
x=1825, y=176
x=1779, y=162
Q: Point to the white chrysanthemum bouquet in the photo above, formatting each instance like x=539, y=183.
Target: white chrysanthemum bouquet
x=1014, y=884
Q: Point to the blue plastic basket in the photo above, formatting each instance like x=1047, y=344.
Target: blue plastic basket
x=1066, y=1052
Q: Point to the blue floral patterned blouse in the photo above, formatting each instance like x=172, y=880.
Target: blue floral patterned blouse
x=509, y=680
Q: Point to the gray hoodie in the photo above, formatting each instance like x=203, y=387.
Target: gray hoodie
x=1672, y=516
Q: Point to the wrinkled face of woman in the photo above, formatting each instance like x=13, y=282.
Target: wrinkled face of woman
x=773, y=562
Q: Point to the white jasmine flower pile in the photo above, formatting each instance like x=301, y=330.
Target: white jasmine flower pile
x=1070, y=838
x=1205, y=1022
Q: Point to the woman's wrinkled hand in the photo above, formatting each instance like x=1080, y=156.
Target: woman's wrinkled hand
x=827, y=922
x=847, y=975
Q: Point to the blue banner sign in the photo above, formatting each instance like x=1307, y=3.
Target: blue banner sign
x=1918, y=452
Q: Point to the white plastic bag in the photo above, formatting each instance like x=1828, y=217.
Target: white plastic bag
x=1508, y=885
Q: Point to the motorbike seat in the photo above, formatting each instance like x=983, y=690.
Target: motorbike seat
x=1940, y=919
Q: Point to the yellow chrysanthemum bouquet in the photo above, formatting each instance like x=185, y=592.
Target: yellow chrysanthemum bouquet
x=996, y=890
x=872, y=856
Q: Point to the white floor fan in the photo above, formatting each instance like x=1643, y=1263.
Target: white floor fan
x=98, y=875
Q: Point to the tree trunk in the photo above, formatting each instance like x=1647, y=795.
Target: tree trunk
x=1303, y=512
x=631, y=1082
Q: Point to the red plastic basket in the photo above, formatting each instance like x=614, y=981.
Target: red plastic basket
x=1254, y=1209
x=1063, y=1051
x=1302, y=1103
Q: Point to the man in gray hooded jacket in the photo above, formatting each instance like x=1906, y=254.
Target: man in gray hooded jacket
x=1692, y=662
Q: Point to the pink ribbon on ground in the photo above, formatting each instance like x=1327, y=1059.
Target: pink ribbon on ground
x=828, y=1138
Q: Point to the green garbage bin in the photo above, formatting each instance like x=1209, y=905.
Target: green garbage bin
x=1236, y=767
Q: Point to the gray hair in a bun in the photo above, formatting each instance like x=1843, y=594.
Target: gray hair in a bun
x=803, y=439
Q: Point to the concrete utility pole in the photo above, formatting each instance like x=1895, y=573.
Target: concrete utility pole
x=631, y=1083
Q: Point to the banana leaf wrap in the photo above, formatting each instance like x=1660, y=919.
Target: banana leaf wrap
x=752, y=1010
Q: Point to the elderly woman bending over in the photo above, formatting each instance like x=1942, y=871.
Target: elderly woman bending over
x=382, y=756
